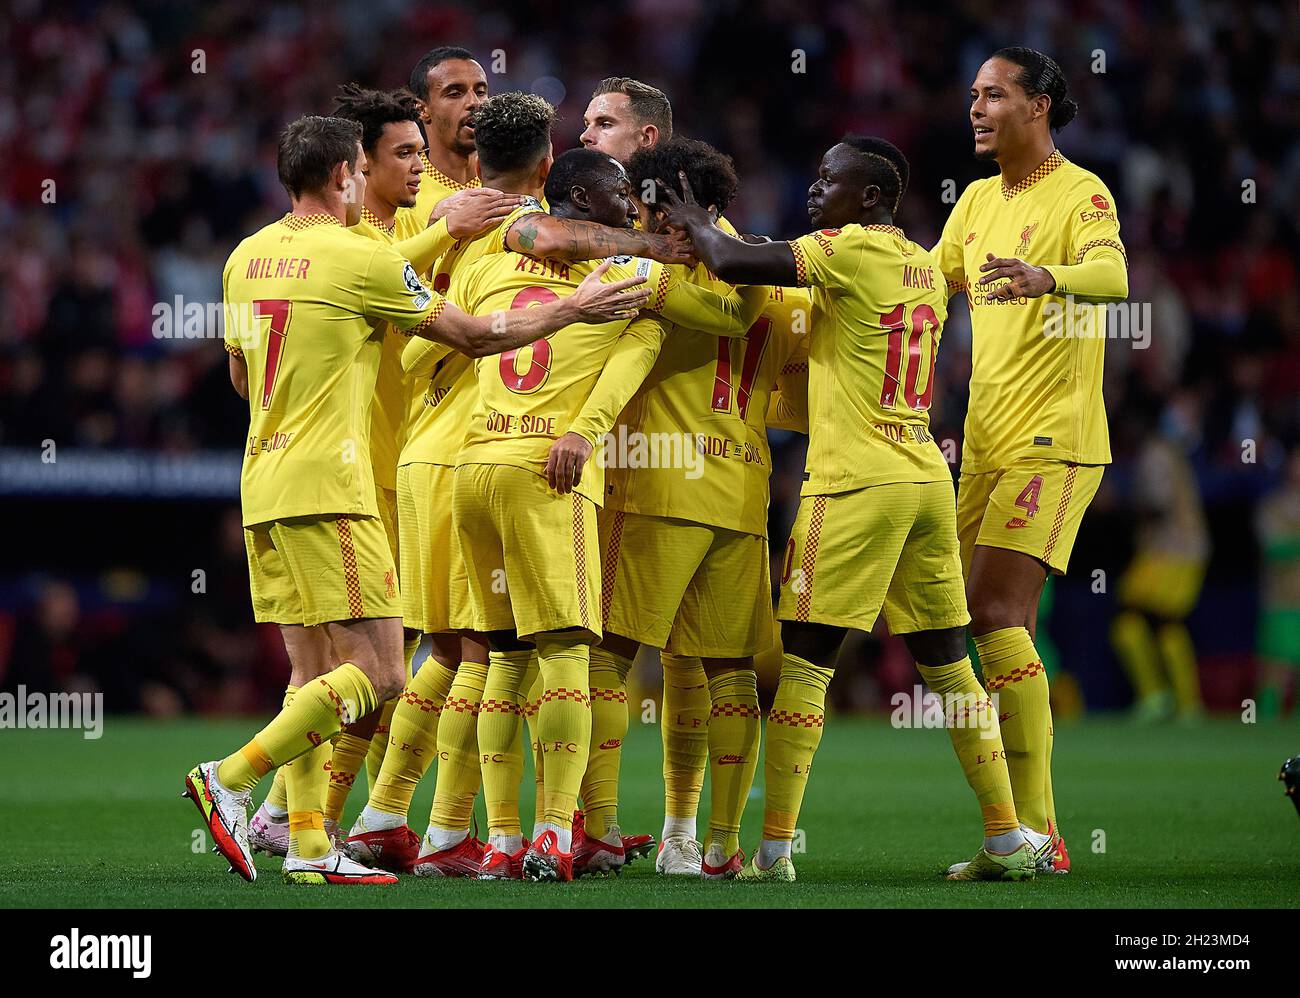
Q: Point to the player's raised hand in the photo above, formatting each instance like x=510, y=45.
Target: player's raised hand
x=477, y=210
x=1025, y=280
x=674, y=246
x=565, y=461
x=684, y=211
x=597, y=301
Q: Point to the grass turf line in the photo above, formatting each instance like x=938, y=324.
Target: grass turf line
x=1191, y=817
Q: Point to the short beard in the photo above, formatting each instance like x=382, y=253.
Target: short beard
x=986, y=155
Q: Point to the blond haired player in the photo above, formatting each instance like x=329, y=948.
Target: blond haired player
x=306, y=300
x=875, y=526
x=1036, y=249
x=392, y=143
x=513, y=137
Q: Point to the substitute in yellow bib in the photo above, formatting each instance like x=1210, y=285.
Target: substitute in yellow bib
x=876, y=525
x=1037, y=252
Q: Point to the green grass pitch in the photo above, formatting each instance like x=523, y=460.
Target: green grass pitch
x=1191, y=817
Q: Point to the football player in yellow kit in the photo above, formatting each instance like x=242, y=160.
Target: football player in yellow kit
x=513, y=137
x=319, y=562
x=626, y=116
x=392, y=142
x=876, y=525
x=1036, y=249
x=529, y=546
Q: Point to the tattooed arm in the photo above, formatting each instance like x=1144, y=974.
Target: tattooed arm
x=543, y=235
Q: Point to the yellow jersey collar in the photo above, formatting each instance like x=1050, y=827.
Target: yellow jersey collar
x=370, y=217
x=442, y=178
x=299, y=222
x=1038, y=173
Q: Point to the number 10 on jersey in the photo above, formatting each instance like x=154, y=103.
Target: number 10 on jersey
x=918, y=367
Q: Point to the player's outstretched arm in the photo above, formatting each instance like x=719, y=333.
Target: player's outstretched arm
x=734, y=260
x=628, y=364
x=543, y=235
x=470, y=213
x=706, y=311
x=484, y=335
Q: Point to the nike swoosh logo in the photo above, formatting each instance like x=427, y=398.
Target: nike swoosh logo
x=1002, y=718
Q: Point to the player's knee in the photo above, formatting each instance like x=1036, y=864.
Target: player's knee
x=934, y=648
x=993, y=612
x=815, y=643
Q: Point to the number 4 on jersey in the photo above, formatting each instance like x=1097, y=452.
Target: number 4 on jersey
x=1028, y=501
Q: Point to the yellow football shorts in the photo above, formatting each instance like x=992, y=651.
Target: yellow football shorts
x=1033, y=505
x=1162, y=585
x=531, y=554
x=386, y=500
x=434, y=586
x=313, y=569
x=892, y=546
x=688, y=588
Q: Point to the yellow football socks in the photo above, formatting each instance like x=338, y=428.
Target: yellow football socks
x=380, y=740
x=412, y=737
x=684, y=719
x=1136, y=648
x=348, y=757
x=794, y=729
x=607, y=680
x=532, y=703
x=459, y=773
x=306, y=779
x=1179, y=656
x=277, y=801
x=500, y=717
x=316, y=715
x=563, y=722
x=973, y=728
x=734, y=726
x=1014, y=676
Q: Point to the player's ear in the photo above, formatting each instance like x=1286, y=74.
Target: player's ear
x=870, y=196
x=649, y=135
x=578, y=195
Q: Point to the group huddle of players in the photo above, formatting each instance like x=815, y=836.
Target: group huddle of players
x=517, y=403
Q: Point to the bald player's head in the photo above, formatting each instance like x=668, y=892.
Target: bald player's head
x=626, y=116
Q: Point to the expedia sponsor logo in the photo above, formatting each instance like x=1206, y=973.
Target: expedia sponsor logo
x=823, y=239
x=1103, y=211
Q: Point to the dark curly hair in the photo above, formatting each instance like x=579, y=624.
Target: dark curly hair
x=373, y=109
x=512, y=131
x=1040, y=74
x=711, y=173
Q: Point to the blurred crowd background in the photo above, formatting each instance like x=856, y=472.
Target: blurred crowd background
x=139, y=147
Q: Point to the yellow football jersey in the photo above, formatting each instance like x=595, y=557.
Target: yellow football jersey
x=879, y=305
x=708, y=398
x=434, y=187
x=388, y=418
x=442, y=403
x=530, y=397
x=306, y=300
x=1036, y=365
